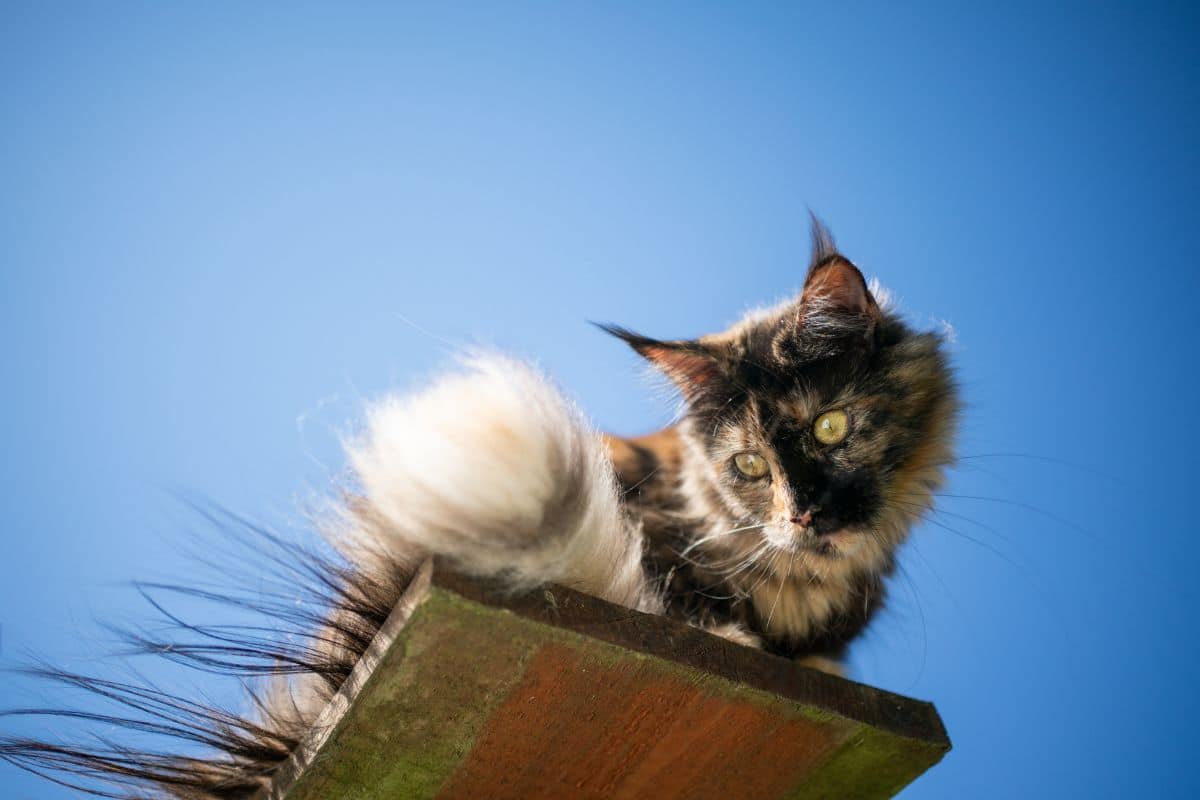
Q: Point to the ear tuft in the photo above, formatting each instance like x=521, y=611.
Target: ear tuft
x=691, y=365
x=823, y=246
x=833, y=283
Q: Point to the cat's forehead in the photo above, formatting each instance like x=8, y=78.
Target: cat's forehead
x=792, y=368
x=804, y=404
x=803, y=390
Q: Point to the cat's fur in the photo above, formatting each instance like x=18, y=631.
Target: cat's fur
x=491, y=468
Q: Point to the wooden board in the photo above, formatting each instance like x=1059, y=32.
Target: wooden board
x=471, y=693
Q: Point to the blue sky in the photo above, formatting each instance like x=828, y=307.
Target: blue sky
x=222, y=226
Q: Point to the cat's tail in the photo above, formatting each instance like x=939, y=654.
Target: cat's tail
x=489, y=467
x=493, y=469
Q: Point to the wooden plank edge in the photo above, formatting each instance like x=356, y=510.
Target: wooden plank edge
x=668, y=639
x=649, y=634
x=327, y=721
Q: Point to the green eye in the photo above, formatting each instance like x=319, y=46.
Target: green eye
x=751, y=465
x=831, y=427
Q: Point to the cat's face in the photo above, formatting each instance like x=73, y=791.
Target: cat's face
x=831, y=455
x=823, y=425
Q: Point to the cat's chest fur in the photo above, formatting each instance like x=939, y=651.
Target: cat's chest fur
x=713, y=578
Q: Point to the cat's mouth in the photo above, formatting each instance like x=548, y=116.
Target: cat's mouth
x=833, y=545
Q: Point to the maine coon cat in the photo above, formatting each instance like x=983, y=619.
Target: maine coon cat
x=812, y=438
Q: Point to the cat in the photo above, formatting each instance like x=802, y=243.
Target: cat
x=812, y=438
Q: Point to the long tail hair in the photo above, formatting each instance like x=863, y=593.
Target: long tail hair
x=489, y=467
x=302, y=627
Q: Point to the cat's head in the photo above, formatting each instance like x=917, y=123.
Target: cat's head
x=824, y=424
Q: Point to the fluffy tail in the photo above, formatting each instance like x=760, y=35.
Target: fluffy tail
x=489, y=467
x=494, y=469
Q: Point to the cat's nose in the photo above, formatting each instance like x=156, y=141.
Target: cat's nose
x=805, y=519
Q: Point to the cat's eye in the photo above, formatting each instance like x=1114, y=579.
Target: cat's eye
x=751, y=465
x=831, y=427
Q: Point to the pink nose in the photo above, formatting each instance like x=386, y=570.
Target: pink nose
x=804, y=520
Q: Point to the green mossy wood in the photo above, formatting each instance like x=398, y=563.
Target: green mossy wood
x=469, y=692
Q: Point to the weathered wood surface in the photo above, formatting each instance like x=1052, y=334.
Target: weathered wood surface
x=471, y=693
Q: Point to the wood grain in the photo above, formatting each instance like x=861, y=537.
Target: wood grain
x=472, y=692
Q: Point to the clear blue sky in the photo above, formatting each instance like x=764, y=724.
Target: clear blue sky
x=224, y=224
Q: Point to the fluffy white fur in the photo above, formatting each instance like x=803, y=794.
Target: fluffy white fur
x=491, y=467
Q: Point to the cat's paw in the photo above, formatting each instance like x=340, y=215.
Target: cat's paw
x=823, y=664
x=735, y=633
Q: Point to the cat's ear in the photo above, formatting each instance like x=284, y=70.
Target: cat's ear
x=694, y=367
x=833, y=283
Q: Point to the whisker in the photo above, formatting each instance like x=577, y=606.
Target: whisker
x=778, y=594
x=1046, y=459
x=713, y=537
x=912, y=591
x=935, y=509
x=1028, y=507
x=915, y=550
x=985, y=545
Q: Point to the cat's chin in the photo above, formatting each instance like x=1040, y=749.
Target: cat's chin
x=834, y=546
x=825, y=548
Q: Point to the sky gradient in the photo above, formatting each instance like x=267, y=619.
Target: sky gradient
x=224, y=225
